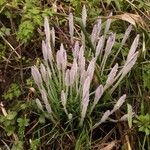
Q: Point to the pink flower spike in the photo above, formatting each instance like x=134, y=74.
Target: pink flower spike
x=84, y=15
x=53, y=36
x=99, y=46
x=63, y=57
x=47, y=30
x=108, y=23
x=133, y=47
x=44, y=98
x=110, y=43
x=73, y=71
x=119, y=103
x=67, y=77
x=111, y=76
x=84, y=106
x=103, y=119
x=126, y=35
x=105, y=116
x=81, y=60
x=43, y=72
x=86, y=87
x=95, y=32
x=91, y=68
x=36, y=75
x=129, y=64
x=63, y=98
x=71, y=26
x=76, y=50
x=58, y=60
x=98, y=93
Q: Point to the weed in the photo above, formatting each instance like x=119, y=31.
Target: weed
x=13, y=92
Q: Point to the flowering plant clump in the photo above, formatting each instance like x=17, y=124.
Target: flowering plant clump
x=67, y=91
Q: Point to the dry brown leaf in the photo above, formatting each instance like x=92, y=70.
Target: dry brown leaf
x=134, y=19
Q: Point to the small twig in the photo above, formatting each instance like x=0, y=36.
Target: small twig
x=11, y=47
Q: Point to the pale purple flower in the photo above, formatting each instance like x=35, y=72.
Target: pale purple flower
x=119, y=103
x=86, y=87
x=61, y=58
x=71, y=26
x=76, y=50
x=58, y=60
x=91, y=68
x=84, y=106
x=63, y=98
x=36, y=75
x=105, y=116
x=108, y=23
x=43, y=72
x=47, y=30
x=103, y=119
x=110, y=43
x=126, y=68
x=111, y=77
x=96, y=32
x=67, y=77
x=73, y=71
x=53, y=36
x=98, y=93
x=126, y=35
x=84, y=15
x=45, y=100
x=129, y=64
x=133, y=47
x=81, y=54
x=99, y=47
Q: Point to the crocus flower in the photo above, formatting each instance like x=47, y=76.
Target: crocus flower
x=98, y=93
x=119, y=103
x=71, y=26
x=73, y=71
x=76, y=50
x=96, y=32
x=36, y=75
x=91, y=68
x=84, y=15
x=99, y=47
x=108, y=23
x=47, y=30
x=61, y=58
x=43, y=72
x=45, y=100
x=103, y=119
x=111, y=77
x=53, y=36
